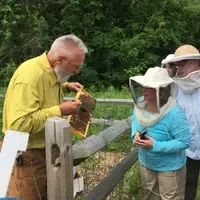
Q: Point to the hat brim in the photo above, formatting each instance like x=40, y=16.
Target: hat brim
x=140, y=80
x=169, y=57
x=185, y=57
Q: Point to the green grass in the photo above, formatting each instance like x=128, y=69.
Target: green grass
x=130, y=187
x=115, y=112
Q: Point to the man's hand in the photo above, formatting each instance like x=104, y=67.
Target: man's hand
x=74, y=86
x=70, y=107
x=148, y=143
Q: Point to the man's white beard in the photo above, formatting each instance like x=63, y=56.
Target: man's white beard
x=61, y=75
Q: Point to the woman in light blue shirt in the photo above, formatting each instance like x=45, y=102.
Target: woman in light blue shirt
x=160, y=130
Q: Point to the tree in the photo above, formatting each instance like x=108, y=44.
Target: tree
x=124, y=37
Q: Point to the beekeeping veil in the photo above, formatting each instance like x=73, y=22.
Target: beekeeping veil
x=154, y=78
x=192, y=81
x=171, y=67
x=167, y=59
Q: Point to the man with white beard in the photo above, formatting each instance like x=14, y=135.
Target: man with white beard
x=187, y=78
x=34, y=94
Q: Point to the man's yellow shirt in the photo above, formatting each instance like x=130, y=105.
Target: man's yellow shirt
x=33, y=96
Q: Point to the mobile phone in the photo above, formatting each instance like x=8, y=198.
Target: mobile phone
x=142, y=134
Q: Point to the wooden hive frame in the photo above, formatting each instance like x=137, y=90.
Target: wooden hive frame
x=85, y=110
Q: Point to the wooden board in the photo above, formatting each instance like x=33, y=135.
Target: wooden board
x=104, y=121
x=94, y=143
x=109, y=101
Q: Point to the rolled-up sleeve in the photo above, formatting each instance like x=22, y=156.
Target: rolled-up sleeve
x=25, y=112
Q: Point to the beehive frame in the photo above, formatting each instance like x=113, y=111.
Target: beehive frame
x=75, y=131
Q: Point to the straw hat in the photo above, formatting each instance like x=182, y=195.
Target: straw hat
x=185, y=52
x=155, y=77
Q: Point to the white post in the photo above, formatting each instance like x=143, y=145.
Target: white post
x=13, y=141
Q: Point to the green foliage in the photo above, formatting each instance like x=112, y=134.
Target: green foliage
x=124, y=37
x=2, y=95
x=115, y=112
x=6, y=73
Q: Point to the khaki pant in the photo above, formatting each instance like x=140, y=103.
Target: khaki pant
x=163, y=185
x=29, y=181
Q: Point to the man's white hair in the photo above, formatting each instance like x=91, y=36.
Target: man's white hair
x=58, y=42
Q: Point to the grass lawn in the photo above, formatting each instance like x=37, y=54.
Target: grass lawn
x=98, y=165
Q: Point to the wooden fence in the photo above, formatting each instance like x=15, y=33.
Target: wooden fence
x=61, y=155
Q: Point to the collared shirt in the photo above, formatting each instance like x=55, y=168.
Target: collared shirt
x=33, y=96
x=190, y=104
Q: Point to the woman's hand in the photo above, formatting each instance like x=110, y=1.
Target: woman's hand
x=148, y=143
x=137, y=137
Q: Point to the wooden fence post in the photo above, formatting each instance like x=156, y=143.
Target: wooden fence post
x=59, y=145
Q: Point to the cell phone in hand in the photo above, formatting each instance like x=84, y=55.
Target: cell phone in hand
x=142, y=134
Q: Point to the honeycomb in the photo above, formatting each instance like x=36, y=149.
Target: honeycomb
x=80, y=120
